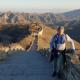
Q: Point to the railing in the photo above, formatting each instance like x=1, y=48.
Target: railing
x=72, y=71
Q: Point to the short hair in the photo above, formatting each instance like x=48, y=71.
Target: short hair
x=60, y=27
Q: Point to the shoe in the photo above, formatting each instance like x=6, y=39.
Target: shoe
x=54, y=74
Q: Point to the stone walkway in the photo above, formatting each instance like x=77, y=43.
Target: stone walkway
x=25, y=66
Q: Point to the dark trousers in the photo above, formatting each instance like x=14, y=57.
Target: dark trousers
x=59, y=60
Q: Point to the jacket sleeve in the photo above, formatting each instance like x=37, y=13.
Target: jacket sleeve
x=52, y=42
x=71, y=41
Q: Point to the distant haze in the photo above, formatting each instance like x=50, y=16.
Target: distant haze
x=36, y=10
x=55, y=6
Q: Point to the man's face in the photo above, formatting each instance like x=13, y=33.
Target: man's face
x=60, y=31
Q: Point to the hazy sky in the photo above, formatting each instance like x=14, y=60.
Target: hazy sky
x=39, y=4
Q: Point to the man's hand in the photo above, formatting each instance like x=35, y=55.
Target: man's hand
x=72, y=51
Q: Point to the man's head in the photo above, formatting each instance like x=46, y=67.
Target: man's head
x=60, y=30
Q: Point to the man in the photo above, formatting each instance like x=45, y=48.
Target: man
x=57, y=49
